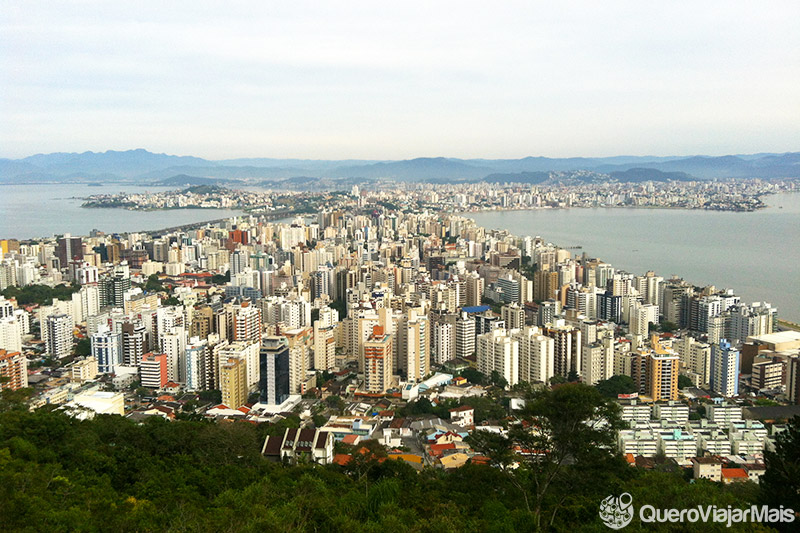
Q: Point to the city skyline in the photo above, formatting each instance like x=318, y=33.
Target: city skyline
x=374, y=81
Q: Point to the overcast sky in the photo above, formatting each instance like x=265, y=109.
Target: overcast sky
x=400, y=79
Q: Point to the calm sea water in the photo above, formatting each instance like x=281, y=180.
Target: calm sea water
x=756, y=254
x=45, y=210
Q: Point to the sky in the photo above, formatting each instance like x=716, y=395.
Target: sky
x=397, y=80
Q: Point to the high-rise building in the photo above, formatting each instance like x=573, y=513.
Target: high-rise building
x=300, y=345
x=513, y=315
x=173, y=344
x=11, y=334
x=546, y=312
x=465, y=336
x=497, y=351
x=153, y=370
x=106, y=350
x=536, y=355
x=247, y=323
x=112, y=289
x=197, y=364
x=324, y=340
x=413, y=340
x=274, y=370
x=239, y=350
x=695, y=358
x=567, y=346
x=14, y=367
x=597, y=363
x=655, y=372
x=134, y=343
x=378, y=361
x=233, y=382
x=724, y=369
x=545, y=285
x=443, y=342
x=509, y=289
x=69, y=248
x=59, y=335
x=475, y=285
x=793, y=379
x=745, y=321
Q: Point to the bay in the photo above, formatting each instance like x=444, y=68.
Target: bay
x=33, y=211
x=757, y=254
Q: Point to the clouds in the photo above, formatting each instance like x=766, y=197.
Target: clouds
x=399, y=79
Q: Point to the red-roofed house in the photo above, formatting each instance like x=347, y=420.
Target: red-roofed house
x=351, y=439
x=171, y=387
x=437, y=450
x=734, y=475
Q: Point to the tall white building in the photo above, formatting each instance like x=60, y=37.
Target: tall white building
x=173, y=344
x=324, y=341
x=724, y=369
x=536, y=355
x=498, y=351
x=249, y=352
x=59, y=335
x=465, y=336
x=443, y=346
x=196, y=368
x=413, y=338
x=10, y=334
x=695, y=357
x=106, y=347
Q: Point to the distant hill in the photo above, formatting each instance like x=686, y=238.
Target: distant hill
x=636, y=175
x=141, y=166
x=183, y=179
x=518, y=177
x=419, y=169
x=127, y=163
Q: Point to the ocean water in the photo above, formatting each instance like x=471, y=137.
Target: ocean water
x=757, y=254
x=28, y=211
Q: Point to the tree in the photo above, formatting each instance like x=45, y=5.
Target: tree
x=668, y=327
x=684, y=382
x=473, y=376
x=498, y=380
x=335, y=402
x=780, y=484
x=141, y=392
x=83, y=347
x=221, y=279
x=339, y=305
x=153, y=284
x=213, y=396
x=566, y=431
x=616, y=385
x=573, y=376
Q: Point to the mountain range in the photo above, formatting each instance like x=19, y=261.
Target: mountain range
x=142, y=166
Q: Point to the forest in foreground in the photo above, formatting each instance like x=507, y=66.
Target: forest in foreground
x=109, y=473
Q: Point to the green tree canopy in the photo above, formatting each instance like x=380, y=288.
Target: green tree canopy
x=780, y=483
x=566, y=432
x=615, y=385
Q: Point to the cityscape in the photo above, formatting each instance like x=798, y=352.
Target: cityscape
x=386, y=316
x=410, y=267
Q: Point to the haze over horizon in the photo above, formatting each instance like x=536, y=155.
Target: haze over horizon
x=368, y=80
